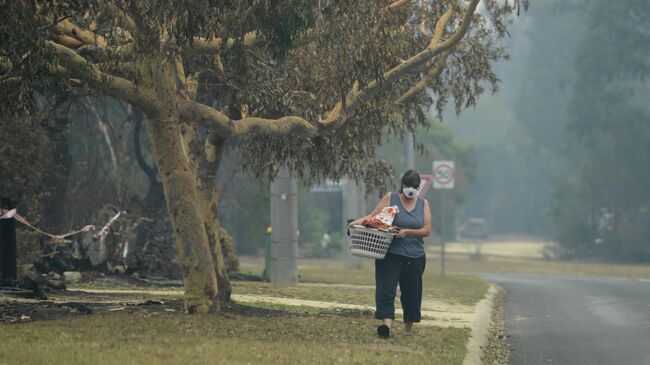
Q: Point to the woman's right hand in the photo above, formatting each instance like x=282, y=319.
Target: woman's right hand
x=382, y=203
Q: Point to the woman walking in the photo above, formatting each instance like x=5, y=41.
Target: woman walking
x=405, y=261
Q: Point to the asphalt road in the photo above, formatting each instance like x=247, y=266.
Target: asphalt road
x=571, y=320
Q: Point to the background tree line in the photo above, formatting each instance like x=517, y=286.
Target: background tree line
x=562, y=149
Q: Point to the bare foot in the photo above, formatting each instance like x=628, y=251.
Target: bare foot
x=408, y=328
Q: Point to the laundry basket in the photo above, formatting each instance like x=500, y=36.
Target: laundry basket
x=369, y=242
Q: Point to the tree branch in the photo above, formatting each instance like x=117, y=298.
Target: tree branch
x=433, y=73
x=226, y=127
x=124, y=52
x=440, y=27
x=426, y=80
x=63, y=73
x=111, y=85
x=284, y=125
x=10, y=80
x=202, y=45
x=406, y=67
x=85, y=36
x=125, y=69
x=195, y=111
x=66, y=40
x=393, y=6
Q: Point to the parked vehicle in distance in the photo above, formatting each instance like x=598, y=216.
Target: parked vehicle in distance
x=474, y=229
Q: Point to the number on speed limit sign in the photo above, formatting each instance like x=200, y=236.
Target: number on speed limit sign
x=443, y=174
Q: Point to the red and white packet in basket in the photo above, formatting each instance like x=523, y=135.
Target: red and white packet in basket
x=383, y=219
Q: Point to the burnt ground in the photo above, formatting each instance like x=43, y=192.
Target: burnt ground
x=15, y=311
x=62, y=303
x=17, y=308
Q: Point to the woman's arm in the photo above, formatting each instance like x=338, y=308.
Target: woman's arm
x=383, y=203
x=425, y=231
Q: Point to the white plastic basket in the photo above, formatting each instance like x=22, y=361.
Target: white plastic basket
x=369, y=242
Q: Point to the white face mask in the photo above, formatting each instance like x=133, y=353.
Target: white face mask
x=410, y=192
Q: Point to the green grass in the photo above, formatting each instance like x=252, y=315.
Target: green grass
x=307, y=310
x=263, y=334
x=332, y=271
x=454, y=289
x=350, y=295
x=168, y=338
x=494, y=264
x=461, y=289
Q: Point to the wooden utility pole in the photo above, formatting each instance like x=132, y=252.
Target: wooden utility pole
x=284, y=229
x=354, y=206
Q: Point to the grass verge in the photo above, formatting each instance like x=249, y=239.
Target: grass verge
x=358, y=284
x=496, y=264
x=128, y=328
x=265, y=337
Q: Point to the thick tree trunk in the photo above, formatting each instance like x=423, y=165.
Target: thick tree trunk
x=187, y=170
x=181, y=195
x=205, y=159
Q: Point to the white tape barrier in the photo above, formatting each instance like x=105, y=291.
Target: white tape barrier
x=6, y=214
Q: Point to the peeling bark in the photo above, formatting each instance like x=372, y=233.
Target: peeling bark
x=187, y=170
x=181, y=195
x=205, y=159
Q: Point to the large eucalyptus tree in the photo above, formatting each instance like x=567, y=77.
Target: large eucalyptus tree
x=311, y=84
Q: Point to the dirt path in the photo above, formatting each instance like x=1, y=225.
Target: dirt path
x=434, y=313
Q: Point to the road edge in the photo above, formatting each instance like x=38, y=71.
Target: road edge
x=480, y=326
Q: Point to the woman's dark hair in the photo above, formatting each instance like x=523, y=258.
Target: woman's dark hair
x=410, y=178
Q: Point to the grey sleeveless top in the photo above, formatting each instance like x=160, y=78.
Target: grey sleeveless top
x=409, y=246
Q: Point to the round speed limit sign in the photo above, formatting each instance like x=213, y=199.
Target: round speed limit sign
x=443, y=174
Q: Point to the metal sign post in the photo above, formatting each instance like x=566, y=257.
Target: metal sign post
x=442, y=232
x=425, y=184
x=443, y=178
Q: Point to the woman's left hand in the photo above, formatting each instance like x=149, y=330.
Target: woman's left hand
x=401, y=233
